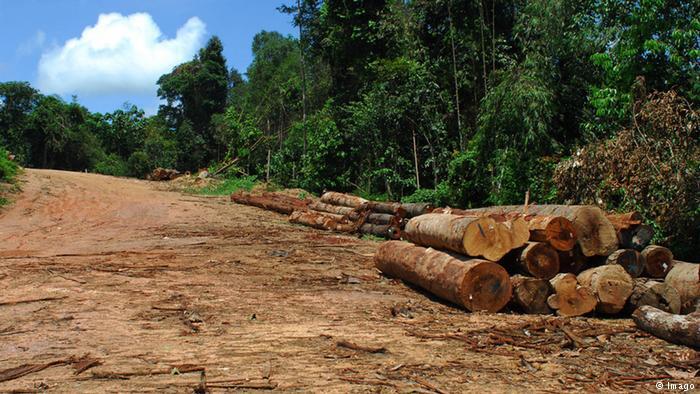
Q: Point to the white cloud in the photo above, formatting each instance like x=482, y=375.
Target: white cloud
x=35, y=42
x=119, y=54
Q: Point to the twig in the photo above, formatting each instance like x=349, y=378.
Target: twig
x=5, y=303
x=354, y=346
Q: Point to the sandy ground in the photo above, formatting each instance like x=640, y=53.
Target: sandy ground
x=146, y=290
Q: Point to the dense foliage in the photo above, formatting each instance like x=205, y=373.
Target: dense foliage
x=460, y=102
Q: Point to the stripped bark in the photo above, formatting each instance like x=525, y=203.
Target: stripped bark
x=611, y=285
x=570, y=298
x=472, y=283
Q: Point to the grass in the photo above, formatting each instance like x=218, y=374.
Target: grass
x=8, y=173
x=372, y=237
x=229, y=186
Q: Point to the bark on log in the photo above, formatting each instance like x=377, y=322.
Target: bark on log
x=685, y=278
x=611, y=285
x=472, y=283
x=570, y=298
x=277, y=203
x=417, y=209
x=572, y=261
x=392, y=208
x=659, y=261
x=335, y=209
x=530, y=294
x=383, y=218
x=381, y=230
x=346, y=200
x=653, y=293
x=594, y=232
x=322, y=221
x=641, y=237
x=678, y=329
x=629, y=259
x=472, y=236
x=539, y=260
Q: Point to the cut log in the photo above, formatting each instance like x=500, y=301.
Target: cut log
x=572, y=261
x=539, y=260
x=477, y=285
x=570, y=298
x=322, y=221
x=381, y=230
x=392, y=208
x=417, y=209
x=642, y=236
x=335, y=209
x=278, y=203
x=653, y=293
x=473, y=236
x=594, y=232
x=678, y=329
x=685, y=278
x=383, y=218
x=530, y=294
x=621, y=221
x=558, y=231
x=345, y=200
x=629, y=259
x=658, y=261
x=611, y=285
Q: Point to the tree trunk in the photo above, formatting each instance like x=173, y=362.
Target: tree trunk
x=472, y=236
x=569, y=298
x=595, y=234
x=477, y=285
x=658, y=261
x=611, y=285
x=270, y=201
x=629, y=259
x=530, y=294
x=572, y=261
x=539, y=260
x=685, y=278
x=381, y=230
x=657, y=294
x=346, y=200
x=678, y=329
x=415, y=160
x=322, y=221
x=454, y=76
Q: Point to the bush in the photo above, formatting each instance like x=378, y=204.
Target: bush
x=230, y=185
x=139, y=164
x=439, y=197
x=111, y=164
x=8, y=168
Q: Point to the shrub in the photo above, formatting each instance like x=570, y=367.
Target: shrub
x=8, y=168
x=111, y=164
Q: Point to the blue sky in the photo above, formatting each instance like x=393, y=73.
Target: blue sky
x=109, y=52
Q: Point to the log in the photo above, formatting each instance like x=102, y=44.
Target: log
x=335, y=209
x=530, y=294
x=271, y=202
x=392, y=208
x=629, y=259
x=653, y=293
x=570, y=298
x=383, y=218
x=641, y=237
x=659, y=261
x=558, y=231
x=678, y=329
x=572, y=261
x=381, y=230
x=475, y=284
x=539, y=260
x=345, y=200
x=322, y=221
x=472, y=236
x=594, y=232
x=685, y=278
x=417, y=209
x=610, y=284
x=623, y=221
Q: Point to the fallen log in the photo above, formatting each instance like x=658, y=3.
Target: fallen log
x=345, y=200
x=472, y=283
x=530, y=294
x=469, y=235
x=572, y=261
x=322, y=221
x=610, y=284
x=658, y=261
x=539, y=260
x=381, y=230
x=629, y=259
x=653, y=293
x=594, y=232
x=570, y=298
x=685, y=278
x=678, y=329
x=335, y=209
x=284, y=205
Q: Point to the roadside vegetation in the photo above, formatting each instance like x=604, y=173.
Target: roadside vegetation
x=454, y=102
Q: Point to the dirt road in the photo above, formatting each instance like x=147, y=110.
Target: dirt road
x=158, y=286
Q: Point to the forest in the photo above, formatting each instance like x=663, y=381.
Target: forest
x=457, y=102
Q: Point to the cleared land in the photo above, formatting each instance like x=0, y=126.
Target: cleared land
x=152, y=284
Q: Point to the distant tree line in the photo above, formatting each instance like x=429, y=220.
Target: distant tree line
x=460, y=102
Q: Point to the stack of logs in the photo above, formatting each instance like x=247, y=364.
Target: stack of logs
x=568, y=260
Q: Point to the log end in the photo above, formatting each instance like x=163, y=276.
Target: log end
x=561, y=234
x=658, y=261
x=486, y=288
